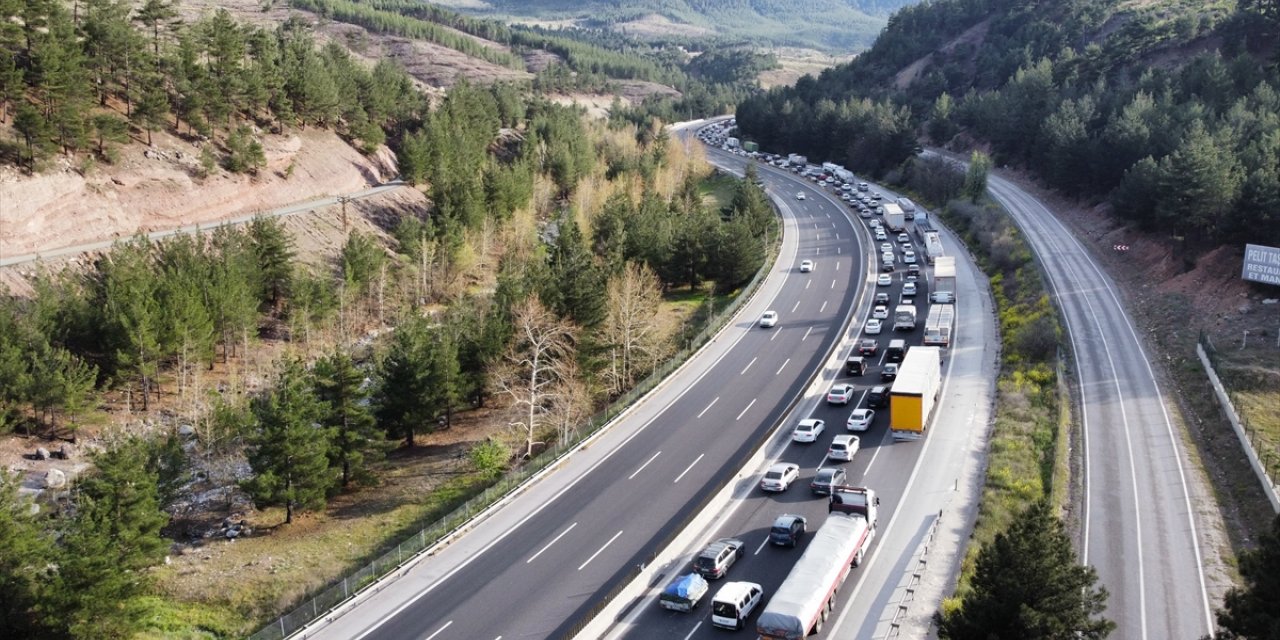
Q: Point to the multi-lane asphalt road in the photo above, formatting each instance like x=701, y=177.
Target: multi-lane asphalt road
x=548, y=558
x=915, y=480
x=1141, y=530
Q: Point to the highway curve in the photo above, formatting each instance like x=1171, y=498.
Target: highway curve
x=1140, y=528
x=536, y=567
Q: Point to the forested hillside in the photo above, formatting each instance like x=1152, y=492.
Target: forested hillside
x=838, y=25
x=1168, y=110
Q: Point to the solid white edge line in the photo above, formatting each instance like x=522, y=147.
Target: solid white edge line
x=600, y=550
x=566, y=531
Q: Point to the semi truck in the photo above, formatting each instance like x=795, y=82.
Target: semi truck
x=731, y=143
x=806, y=598
x=894, y=219
x=831, y=168
x=944, y=279
x=748, y=145
x=845, y=175
x=932, y=246
x=908, y=208
x=923, y=224
x=915, y=392
x=939, y=324
x=797, y=160
x=904, y=317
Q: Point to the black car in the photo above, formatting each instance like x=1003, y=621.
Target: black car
x=787, y=530
x=879, y=397
x=890, y=372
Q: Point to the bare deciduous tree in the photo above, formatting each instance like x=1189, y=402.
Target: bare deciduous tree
x=631, y=326
x=536, y=368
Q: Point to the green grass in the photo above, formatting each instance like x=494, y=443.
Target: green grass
x=717, y=191
x=1027, y=456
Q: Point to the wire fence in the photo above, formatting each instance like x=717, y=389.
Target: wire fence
x=339, y=592
x=1265, y=445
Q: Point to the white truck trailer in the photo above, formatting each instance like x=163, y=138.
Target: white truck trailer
x=844, y=175
x=904, y=317
x=797, y=160
x=915, y=392
x=894, y=219
x=943, y=288
x=932, y=246
x=806, y=598
x=939, y=325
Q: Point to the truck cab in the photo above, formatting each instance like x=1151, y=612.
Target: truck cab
x=855, y=500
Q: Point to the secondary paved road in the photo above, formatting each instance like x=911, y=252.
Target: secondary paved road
x=539, y=565
x=1139, y=528
x=301, y=207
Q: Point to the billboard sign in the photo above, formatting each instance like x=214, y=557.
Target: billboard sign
x=1261, y=264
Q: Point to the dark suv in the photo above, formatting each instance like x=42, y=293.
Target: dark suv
x=879, y=397
x=787, y=530
x=715, y=560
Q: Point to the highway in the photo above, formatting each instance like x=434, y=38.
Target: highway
x=910, y=500
x=539, y=565
x=1139, y=527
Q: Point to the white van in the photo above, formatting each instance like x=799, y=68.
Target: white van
x=734, y=603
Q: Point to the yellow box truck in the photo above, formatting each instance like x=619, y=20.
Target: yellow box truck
x=914, y=393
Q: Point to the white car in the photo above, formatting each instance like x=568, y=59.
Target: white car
x=904, y=238
x=873, y=327
x=885, y=247
x=769, y=319
x=840, y=394
x=909, y=289
x=844, y=447
x=860, y=419
x=880, y=235
x=881, y=312
x=799, y=195
x=883, y=280
x=780, y=476
x=808, y=430
x=806, y=266
x=909, y=257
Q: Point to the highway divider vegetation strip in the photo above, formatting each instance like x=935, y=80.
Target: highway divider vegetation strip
x=1025, y=457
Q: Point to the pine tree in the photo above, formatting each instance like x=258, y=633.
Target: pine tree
x=1028, y=586
x=154, y=13
x=24, y=553
x=975, y=178
x=289, y=447
x=108, y=546
x=576, y=286
x=403, y=400
x=1250, y=612
x=274, y=250
x=340, y=386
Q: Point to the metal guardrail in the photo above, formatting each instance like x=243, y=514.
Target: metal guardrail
x=1262, y=451
x=911, y=581
x=461, y=517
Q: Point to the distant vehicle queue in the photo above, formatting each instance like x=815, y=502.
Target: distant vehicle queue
x=910, y=381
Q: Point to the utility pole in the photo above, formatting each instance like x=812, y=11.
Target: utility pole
x=344, y=200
